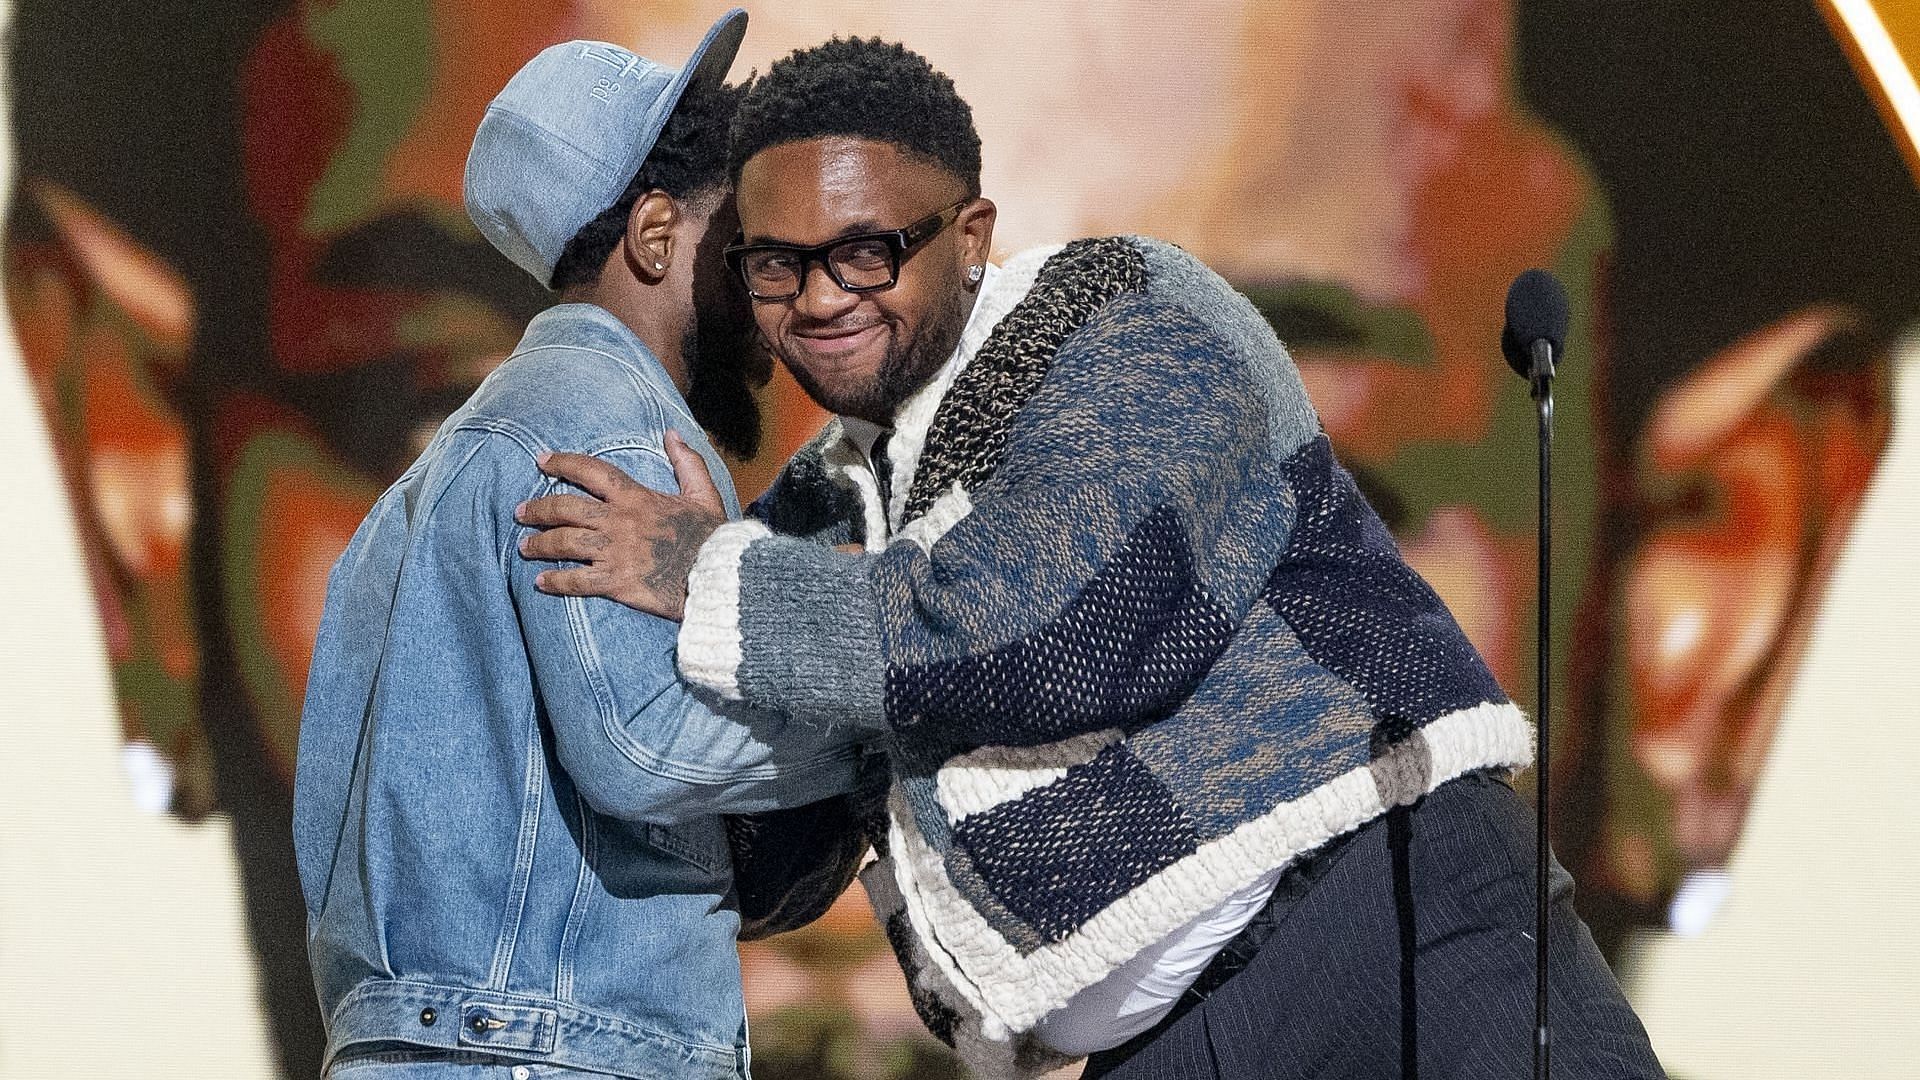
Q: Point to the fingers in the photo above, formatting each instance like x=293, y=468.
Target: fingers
x=596, y=477
x=560, y=510
x=564, y=545
x=575, y=581
x=690, y=469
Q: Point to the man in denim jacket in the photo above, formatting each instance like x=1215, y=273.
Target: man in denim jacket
x=507, y=809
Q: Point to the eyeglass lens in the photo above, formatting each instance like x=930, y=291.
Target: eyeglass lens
x=856, y=264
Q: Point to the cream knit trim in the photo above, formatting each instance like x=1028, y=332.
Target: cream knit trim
x=948, y=510
x=985, y=778
x=1012, y=992
x=710, y=644
x=1020, y=1058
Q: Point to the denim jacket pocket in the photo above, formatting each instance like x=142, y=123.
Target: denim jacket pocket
x=702, y=843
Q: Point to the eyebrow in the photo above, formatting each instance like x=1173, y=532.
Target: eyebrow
x=856, y=228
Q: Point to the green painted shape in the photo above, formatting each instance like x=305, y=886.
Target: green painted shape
x=385, y=50
x=244, y=580
x=166, y=706
x=1326, y=315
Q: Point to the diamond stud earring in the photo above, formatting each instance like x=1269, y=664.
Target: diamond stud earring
x=974, y=273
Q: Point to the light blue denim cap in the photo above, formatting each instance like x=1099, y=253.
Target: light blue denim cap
x=565, y=137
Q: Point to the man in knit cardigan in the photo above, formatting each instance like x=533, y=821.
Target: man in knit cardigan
x=1188, y=771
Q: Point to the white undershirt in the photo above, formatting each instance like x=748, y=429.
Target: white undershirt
x=863, y=434
x=1137, y=994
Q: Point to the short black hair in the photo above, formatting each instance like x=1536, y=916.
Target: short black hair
x=863, y=88
x=689, y=160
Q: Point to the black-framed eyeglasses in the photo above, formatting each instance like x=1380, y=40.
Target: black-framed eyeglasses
x=865, y=263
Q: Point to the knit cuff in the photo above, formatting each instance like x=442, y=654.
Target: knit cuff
x=710, y=646
x=786, y=625
x=810, y=633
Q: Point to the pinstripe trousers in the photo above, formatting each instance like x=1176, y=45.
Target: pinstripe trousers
x=1447, y=885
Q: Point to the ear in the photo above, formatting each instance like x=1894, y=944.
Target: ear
x=976, y=232
x=1750, y=473
x=131, y=278
x=653, y=226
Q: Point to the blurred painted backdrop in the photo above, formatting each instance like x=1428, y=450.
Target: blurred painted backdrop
x=241, y=291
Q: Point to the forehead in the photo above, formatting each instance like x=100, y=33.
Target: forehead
x=811, y=191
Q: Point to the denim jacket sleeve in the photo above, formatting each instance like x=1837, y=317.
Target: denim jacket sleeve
x=637, y=742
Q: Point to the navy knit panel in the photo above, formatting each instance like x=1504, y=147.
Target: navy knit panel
x=1135, y=642
x=1039, y=852
x=1241, y=746
x=1360, y=610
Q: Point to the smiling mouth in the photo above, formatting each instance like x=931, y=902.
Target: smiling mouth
x=838, y=344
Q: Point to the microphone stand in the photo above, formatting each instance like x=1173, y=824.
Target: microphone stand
x=1540, y=384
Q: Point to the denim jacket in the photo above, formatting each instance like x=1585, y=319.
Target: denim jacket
x=507, y=805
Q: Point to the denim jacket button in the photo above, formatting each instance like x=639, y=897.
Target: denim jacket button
x=478, y=1023
x=427, y=1017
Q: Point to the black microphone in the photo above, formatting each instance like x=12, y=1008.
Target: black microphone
x=1536, y=330
x=1532, y=341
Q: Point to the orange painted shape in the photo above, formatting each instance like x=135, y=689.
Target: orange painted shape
x=308, y=518
x=480, y=43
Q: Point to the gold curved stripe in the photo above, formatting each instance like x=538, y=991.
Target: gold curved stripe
x=1883, y=38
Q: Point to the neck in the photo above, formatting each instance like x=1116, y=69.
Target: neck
x=653, y=322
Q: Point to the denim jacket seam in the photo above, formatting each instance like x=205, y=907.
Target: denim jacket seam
x=507, y=941
x=524, y=849
x=586, y=645
x=639, y=377
x=587, y=651
x=533, y=445
x=686, y=773
x=586, y=642
x=426, y=512
x=509, y=938
x=582, y=900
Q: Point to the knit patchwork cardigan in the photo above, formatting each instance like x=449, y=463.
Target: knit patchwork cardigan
x=1128, y=632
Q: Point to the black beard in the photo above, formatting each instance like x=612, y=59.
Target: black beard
x=720, y=377
x=904, y=370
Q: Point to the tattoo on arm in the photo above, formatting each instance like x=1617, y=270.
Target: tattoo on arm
x=674, y=553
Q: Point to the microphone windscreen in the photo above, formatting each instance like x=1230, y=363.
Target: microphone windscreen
x=1536, y=309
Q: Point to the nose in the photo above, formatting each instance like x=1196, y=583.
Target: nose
x=821, y=298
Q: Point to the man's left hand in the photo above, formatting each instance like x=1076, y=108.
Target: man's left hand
x=637, y=544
